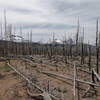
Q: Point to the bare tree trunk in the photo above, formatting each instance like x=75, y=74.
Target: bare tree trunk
x=65, y=52
x=77, y=39
x=82, y=49
x=5, y=20
x=1, y=33
x=89, y=54
x=97, y=49
x=74, y=83
x=48, y=51
x=71, y=50
x=97, y=61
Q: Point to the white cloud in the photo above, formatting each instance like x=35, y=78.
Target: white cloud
x=52, y=12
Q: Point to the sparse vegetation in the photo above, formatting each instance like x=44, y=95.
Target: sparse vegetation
x=5, y=68
x=46, y=67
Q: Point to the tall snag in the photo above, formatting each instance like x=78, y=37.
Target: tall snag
x=77, y=39
x=5, y=25
x=82, y=48
x=65, y=50
x=89, y=56
x=97, y=49
x=1, y=31
x=71, y=48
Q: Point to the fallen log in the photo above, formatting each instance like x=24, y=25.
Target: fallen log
x=95, y=73
x=74, y=82
x=36, y=96
x=30, y=82
x=85, y=71
x=46, y=96
x=70, y=78
x=42, y=96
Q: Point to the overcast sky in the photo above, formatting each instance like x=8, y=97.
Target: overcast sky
x=47, y=16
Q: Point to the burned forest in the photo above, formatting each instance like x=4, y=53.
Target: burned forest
x=57, y=69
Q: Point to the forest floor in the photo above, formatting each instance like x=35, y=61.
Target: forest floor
x=14, y=87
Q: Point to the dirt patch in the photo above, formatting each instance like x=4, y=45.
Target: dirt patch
x=13, y=87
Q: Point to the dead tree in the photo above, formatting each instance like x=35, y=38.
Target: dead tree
x=9, y=38
x=5, y=26
x=93, y=79
x=1, y=33
x=71, y=48
x=89, y=56
x=97, y=61
x=97, y=49
x=69, y=78
x=77, y=39
x=46, y=96
x=97, y=75
x=30, y=43
x=48, y=51
x=21, y=47
x=78, y=85
x=99, y=40
x=65, y=51
x=82, y=48
x=74, y=83
x=53, y=44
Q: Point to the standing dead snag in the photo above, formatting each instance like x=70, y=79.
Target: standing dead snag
x=5, y=25
x=30, y=42
x=82, y=48
x=97, y=49
x=99, y=40
x=48, y=51
x=93, y=80
x=64, y=51
x=77, y=39
x=53, y=45
x=1, y=31
x=97, y=60
x=89, y=54
x=71, y=48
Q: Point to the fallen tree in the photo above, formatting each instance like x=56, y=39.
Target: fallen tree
x=42, y=96
x=95, y=73
x=69, y=78
x=30, y=82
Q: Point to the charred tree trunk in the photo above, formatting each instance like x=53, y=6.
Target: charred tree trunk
x=97, y=49
x=97, y=60
x=82, y=49
x=65, y=52
x=77, y=39
x=89, y=54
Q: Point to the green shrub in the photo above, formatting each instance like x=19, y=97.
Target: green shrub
x=5, y=68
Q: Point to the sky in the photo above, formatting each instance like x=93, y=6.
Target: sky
x=45, y=17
